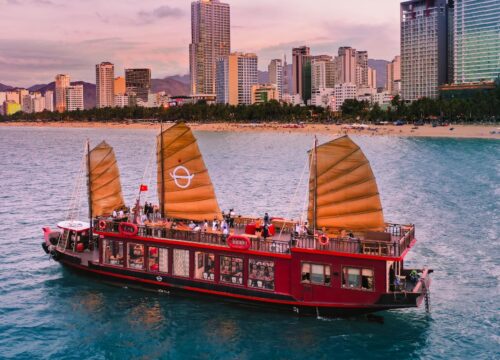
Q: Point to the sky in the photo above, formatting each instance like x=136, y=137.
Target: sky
x=41, y=38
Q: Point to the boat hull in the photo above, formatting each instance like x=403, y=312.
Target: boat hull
x=257, y=299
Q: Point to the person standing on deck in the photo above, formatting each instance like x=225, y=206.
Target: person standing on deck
x=232, y=215
x=215, y=225
x=266, y=219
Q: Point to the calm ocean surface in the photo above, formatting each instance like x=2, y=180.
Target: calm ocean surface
x=449, y=188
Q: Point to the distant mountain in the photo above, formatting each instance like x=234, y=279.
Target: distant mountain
x=262, y=77
x=182, y=78
x=5, y=87
x=380, y=66
x=172, y=85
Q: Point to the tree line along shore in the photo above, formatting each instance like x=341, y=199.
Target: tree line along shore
x=481, y=108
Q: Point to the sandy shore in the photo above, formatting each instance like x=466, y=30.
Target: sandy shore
x=458, y=131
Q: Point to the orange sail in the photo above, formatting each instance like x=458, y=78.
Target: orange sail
x=343, y=192
x=185, y=189
x=105, y=189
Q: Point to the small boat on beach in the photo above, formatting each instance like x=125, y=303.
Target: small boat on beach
x=341, y=259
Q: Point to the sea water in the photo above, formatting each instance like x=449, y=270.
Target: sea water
x=449, y=188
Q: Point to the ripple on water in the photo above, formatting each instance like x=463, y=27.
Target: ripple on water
x=449, y=188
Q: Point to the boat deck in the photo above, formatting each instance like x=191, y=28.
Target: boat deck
x=391, y=243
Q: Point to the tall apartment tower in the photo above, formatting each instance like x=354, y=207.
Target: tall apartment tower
x=105, y=83
x=347, y=65
x=424, y=48
x=138, y=82
x=119, y=86
x=49, y=100
x=299, y=55
x=210, y=40
x=74, y=97
x=476, y=36
x=62, y=82
x=322, y=73
x=362, y=69
x=372, y=78
x=393, y=77
x=275, y=70
x=236, y=74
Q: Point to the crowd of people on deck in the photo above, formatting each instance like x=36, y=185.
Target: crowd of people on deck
x=149, y=214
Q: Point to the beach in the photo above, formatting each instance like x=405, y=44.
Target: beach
x=453, y=131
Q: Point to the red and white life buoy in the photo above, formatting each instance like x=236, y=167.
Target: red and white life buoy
x=324, y=239
x=126, y=228
x=102, y=225
x=238, y=242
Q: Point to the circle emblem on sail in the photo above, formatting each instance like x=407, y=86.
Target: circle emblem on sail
x=182, y=173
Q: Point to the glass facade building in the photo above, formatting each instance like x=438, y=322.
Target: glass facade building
x=476, y=40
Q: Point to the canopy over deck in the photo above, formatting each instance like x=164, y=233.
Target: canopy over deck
x=73, y=225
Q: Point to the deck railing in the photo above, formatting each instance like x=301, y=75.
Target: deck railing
x=202, y=237
x=401, y=237
x=400, y=240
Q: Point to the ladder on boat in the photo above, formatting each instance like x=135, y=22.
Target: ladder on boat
x=62, y=243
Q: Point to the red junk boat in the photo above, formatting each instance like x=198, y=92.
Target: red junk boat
x=347, y=261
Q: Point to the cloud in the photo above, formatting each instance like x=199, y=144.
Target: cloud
x=161, y=12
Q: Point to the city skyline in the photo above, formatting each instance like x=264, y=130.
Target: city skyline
x=72, y=38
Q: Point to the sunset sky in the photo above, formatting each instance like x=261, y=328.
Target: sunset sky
x=39, y=38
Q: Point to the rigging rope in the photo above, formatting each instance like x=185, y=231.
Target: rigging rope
x=292, y=201
x=73, y=212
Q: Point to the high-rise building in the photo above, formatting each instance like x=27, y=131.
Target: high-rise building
x=236, y=74
x=49, y=100
x=362, y=69
x=138, y=82
x=210, y=40
x=22, y=93
x=424, y=48
x=105, y=83
x=275, y=70
x=262, y=93
x=322, y=73
x=343, y=92
x=62, y=82
x=372, y=78
x=393, y=77
x=476, y=40
x=347, y=65
x=74, y=97
x=120, y=87
x=299, y=55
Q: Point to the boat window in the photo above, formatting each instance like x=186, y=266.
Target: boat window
x=357, y=278
x=318, y=274
x=306, y=272
x=112, y=252
x=135, y=256
x=261, y=274
x=158, y=259
x=205, y=266
x=231, y=270
x=181, y=262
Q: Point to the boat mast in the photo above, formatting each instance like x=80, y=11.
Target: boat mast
x=315, y=194
x=89, y=191
x=162, y=197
